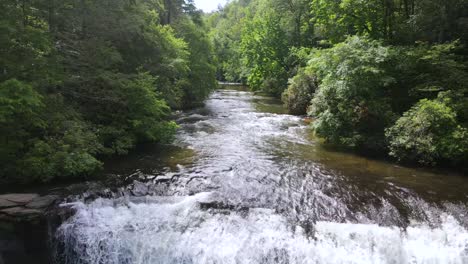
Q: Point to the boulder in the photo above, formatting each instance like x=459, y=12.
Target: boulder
x=139, y=189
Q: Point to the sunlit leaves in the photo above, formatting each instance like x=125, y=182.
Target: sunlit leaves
x=350, y=104
x=428, y=133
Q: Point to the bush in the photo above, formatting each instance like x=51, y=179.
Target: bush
x=20, y=115
x=60, y=156
x=41, y=137
x=147, y=112
x=300, y=91
x=350, y=106
x=45, y=138
x=428, y=133
x=125, y=110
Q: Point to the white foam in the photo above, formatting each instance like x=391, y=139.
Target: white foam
x=180, y=232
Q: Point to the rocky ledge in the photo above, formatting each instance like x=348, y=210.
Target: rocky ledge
x=24, y=206
x=24, y=227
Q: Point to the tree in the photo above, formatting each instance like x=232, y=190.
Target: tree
x=264, y=49
x=83, y=79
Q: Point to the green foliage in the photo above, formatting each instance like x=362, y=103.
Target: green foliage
x=434, y=21
x=424, y=70
x=83, y=79
x=365, y=86
x=428, y=133
x=300, y=91
x=334, y=20
x=201, y=79
x=20, y=110
x=265, y=48
x=225, y=34
x=371, y=61
x=19, y=100
x=38, y=142
x=399, y=22
x=147, y=113
x=256, y=42
x=25, y=45
x=350, y=105
x=69, y=153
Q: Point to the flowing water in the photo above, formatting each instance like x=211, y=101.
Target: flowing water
x=246, y=183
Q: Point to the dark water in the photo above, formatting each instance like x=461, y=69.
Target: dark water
x=246, y=183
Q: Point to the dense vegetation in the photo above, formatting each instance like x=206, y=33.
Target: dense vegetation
x=388, y=76
x=80, y=80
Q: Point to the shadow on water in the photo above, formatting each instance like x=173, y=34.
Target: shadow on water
x=149, y=159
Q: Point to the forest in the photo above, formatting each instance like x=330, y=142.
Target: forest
x=376, y=76
x=84, y=80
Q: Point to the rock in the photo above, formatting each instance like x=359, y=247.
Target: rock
x=42, y=202
x=215, y=205
x=192, y=119
x=227, y=169
x=21, y=212
x=19, y=198
x=165, y=178
x=139, y=189
x=6, y=204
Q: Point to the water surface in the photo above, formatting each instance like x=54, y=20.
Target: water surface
x=246, y=183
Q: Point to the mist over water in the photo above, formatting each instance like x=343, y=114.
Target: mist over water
x=261, y=189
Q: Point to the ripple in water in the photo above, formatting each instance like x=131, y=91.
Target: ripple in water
x=278, y=199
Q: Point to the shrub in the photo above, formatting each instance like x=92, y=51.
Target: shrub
x=350, y=106
x=300, y=91
x=41, y=137
x=428, y=133
x=60, y=156
x=147, y=112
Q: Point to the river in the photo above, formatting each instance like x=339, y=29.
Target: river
x=246, y=183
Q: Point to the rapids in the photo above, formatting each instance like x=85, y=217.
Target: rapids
x=250, y=184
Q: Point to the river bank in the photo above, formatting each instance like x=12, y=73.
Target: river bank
x=242, y=168
x=257, y=188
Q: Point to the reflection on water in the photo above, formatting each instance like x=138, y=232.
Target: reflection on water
x=253, y=186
